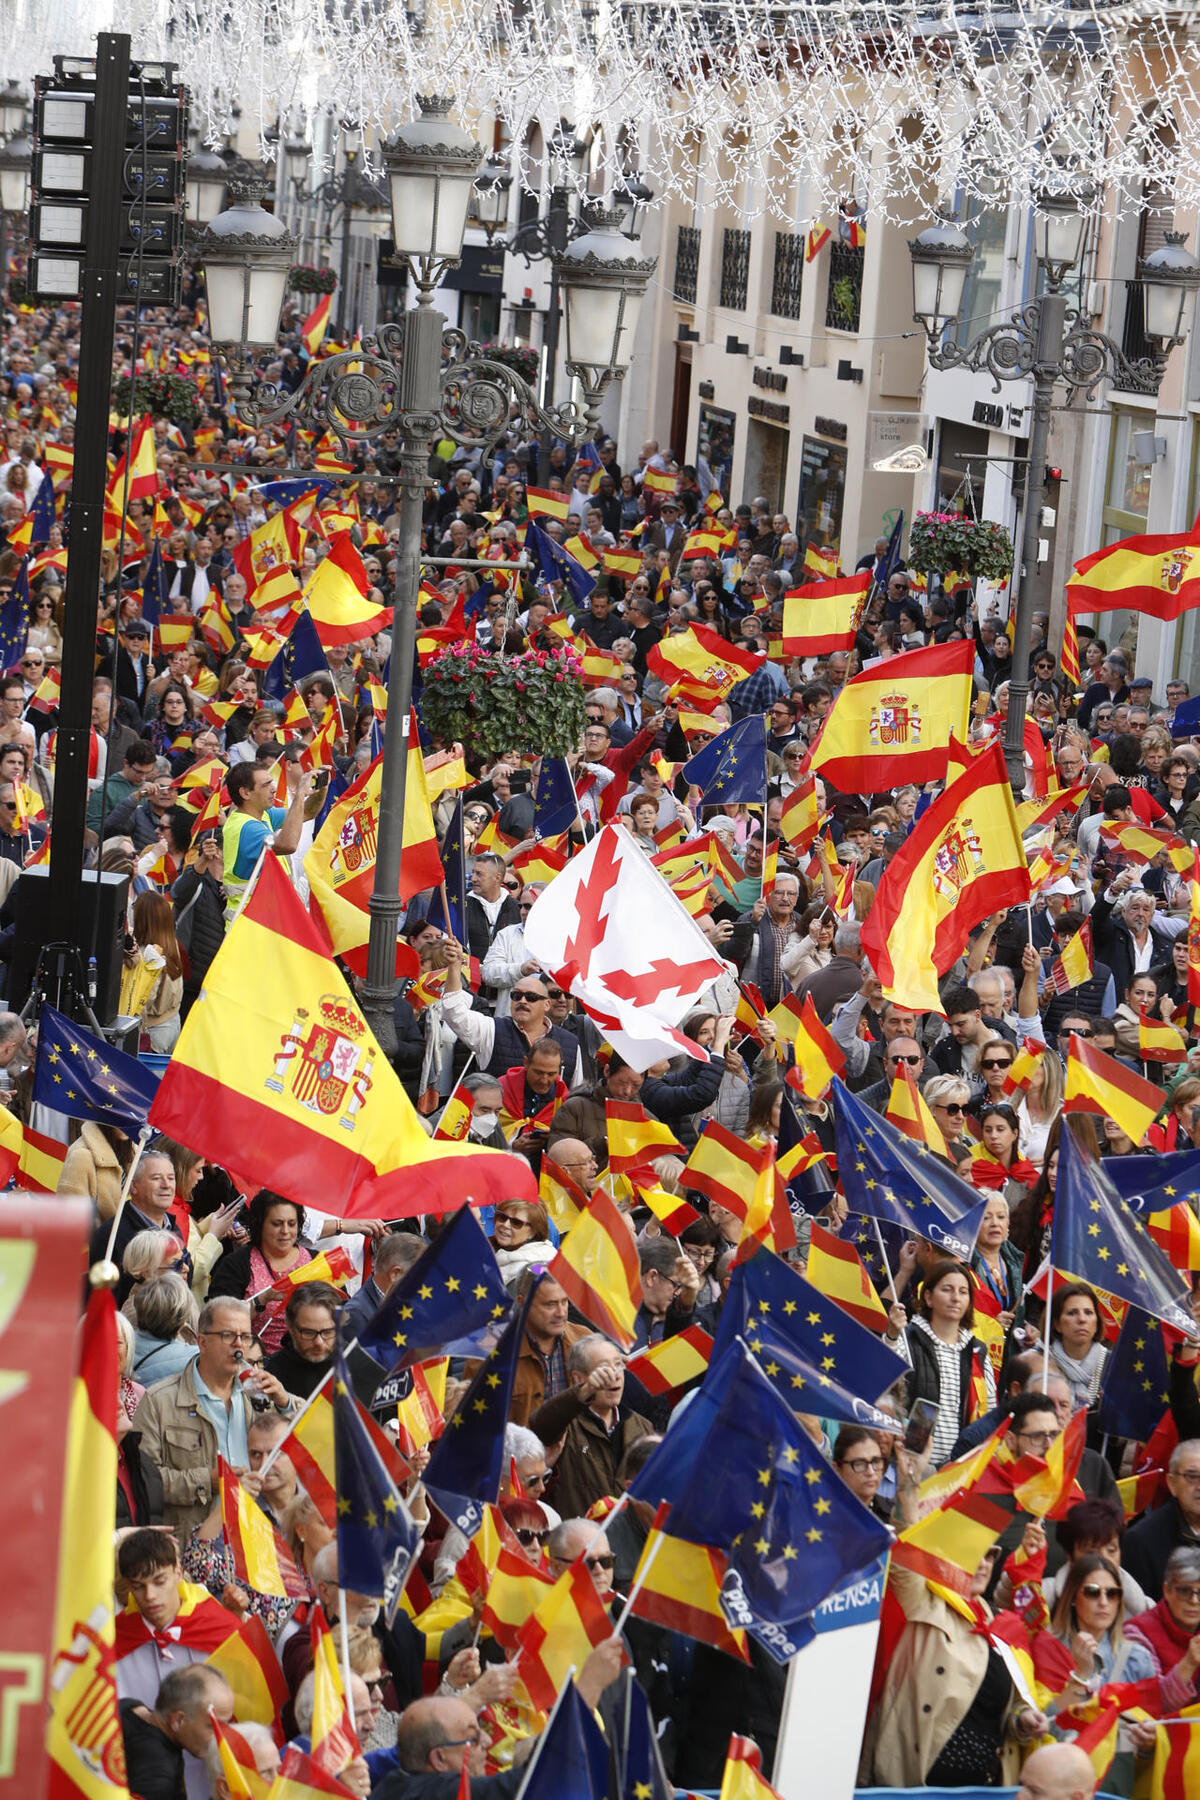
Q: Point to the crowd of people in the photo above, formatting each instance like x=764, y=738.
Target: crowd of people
x=1117, y=1587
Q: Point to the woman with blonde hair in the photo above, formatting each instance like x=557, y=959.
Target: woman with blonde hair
x=1039, y=1106
x=154, y=937
x=148, y=1253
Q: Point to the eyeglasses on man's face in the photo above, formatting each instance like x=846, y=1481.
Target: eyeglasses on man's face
x=229, y=1337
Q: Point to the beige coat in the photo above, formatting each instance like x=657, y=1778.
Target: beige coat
x=182, y=1444
x=931, y=1680
x=92, y=1168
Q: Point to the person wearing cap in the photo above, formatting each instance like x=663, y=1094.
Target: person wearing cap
x=134, y=667
x=668, y=532
x=1141, y=692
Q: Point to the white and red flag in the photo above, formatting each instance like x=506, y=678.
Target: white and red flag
x=611, y=932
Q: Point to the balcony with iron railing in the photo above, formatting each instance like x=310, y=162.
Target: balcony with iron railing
x=843, y=301
x=687, y=264
x=1134, y=342
x=735, y=269
x=788, y=275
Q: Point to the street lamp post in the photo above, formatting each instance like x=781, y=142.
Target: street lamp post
x=16, y=162
x=1046, y=341
x=428, y=381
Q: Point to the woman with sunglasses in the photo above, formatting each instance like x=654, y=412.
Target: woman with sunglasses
x=1090, y=1619
x=996, y=1058
x=948, y=1097
x=520, y=1236
x=1170, y=1630
x=997, y=1164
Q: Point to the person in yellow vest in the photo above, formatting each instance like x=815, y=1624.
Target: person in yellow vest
x=253, y=823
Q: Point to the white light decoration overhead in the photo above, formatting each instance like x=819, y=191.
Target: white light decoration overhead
x=782, y=109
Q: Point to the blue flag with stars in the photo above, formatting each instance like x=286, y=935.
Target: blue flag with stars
x=767, y=1289
x=301, y=656
x=554, y=808
x=732, y=769
x=642, y=1774
x=1150, y=1184
x=41, y=512
x=556, y=564
x=1096, y=1237
x=286, y=493
x=889, y=1176
x=791, y=1528
x=1135, y=1391
x=808, y=1190
x=805, y=1386
x=14, y=619
x=155, y=586
x=454, y=862
x=376, y=1537
x=464, y=1471
x=84, y=1077
x=452, y=1302
x=570, y=1761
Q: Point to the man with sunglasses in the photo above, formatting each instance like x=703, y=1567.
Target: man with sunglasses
x=501, y=1043
x=969, y=1029
x=901, y=1053
x=587, y=1417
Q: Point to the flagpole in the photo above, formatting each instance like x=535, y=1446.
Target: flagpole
x=1029, y=920
x=887, y=1268
x=1046, y=1325
x=344, y=1631
x=638, y=1585
x=107, y=1266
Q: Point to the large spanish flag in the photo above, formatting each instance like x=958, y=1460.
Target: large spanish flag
x=893, y=723
x=84, y=1747
x=961, y=862
x=276, y=1074
x=1155, y=575
x=276, y=544
x=338, y=596
x=823, y=615
x=1098, y=1083
x=597, y=1268
x=700, y=658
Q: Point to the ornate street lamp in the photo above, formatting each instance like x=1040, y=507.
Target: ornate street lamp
x=16, y=161
x=633, y=197
x=603, y=281
x=1170, y=277
x=246, y=253
x=431, y=166
x=491, y=195
x=206, y=181
x=14, y=109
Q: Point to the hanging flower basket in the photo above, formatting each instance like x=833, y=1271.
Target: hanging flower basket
x=518, y=357
x=306, y=278
x=939, y=542
x=171, y=397
x=493, y=704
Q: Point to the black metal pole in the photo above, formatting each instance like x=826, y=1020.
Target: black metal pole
x=558, y=217
x=90, y=476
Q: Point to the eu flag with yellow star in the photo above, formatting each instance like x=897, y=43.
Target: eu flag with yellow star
x=1135, y=1391
x=889, y=1176
x=808, y=1386
x=81, y=1075
x=766, y=1290
x=468, y=1459
x=1150, y=1184
x=376, y=1537
x=452, y=894
x=571, y=1761
x=644, y=1777
x=14, y=618
x=1096, y=1237
x=452, y=1302
x=733, y=767
x=554, y=563
x=789, y=1525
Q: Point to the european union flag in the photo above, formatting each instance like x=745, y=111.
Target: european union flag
x=451, y=1302
x=84, y=1077
x=1135, y=1391
x=733, y=767
x=861, y=1232
x=556, y=564
x=41, y=512
x=1150, y=1184
x=889, y=1176
x=376, y=1537
x=643, y=1775
x=767, y=1290
x=1186, y=721
x=287, y=492
x=570, y=1761
x=155, y=597
x=454, y=862
x=301, y=656
x=805, y=1386
x=886, y=567
x=14, y=618
x=475, y=605
x=789, y=1525
x=1098, y=1238
x=468, y=1459
x=554, y=808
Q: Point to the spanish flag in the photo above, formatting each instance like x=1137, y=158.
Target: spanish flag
x=314, y=327
x=893, y=723
x=1159, y=1042
x=671, y=1210
x=421, y=1415
x=665, y=1367
x=1176, y=1771
x=309, y=1449
x=260, y=1557
x=1073, y=965
x=624, y=563
x=597, y=1267
x=560, y=1634
x=275, y=544
x=1155, y=575
x=815, y=239
x=514, y=1593
x=276, y=1061
x=142, y=461
x=334, y=1739
x=84, y=1745
x=908, y=1112
x=722, y=1167
x=1024, y=1063
x=823, y=615
x=1098, y=1083
x=657, y=481
x=580, y=547
x=338, y=596
x=678, y=1585
x=1193, y=937
x=743, y=1778
x=1068, y=656
x=800, y=819
x=699, y=658
x=562, y=1197
x=836, y=1270
x=634, y=1138
x=961, y=862
x=818, y=1058
x=545, y=504
x=237, y=1763
x=823, y=560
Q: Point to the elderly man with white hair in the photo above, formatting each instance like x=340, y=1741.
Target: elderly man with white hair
x=260, y=1741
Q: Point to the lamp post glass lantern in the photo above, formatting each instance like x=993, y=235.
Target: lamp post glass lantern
x=246, y=253
x=603, y=281
x=207, y=179
x=1045, y=342
x=14, y=107
x=491, y=195
x=431, y=165
x=16, y=161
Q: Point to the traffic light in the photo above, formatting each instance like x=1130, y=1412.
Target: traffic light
x=152, y=182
